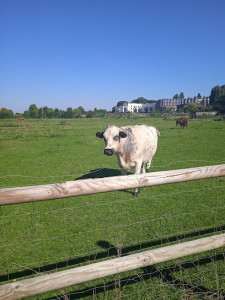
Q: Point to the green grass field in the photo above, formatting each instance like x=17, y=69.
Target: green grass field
x=53, y=235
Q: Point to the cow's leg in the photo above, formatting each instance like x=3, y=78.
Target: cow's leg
x=138, y=165
x=123, y=172
x=148, y=165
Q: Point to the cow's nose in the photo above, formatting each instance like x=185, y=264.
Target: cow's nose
x=108, y=151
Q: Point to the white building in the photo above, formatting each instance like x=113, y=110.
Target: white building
x=135, y=107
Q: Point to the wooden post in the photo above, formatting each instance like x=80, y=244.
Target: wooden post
x=108, y=184
x=45, y=283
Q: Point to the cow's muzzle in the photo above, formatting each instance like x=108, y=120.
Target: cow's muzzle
x=109, y=151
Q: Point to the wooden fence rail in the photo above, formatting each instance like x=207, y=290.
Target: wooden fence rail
x=108, y=184
x=45, y=283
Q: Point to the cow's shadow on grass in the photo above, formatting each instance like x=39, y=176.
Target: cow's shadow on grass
x=102, y=173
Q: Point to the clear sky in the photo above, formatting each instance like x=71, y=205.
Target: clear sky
x=94, y=53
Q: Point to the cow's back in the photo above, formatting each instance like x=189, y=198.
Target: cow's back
x=143, y=141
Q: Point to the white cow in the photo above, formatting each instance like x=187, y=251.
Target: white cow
x=134, y=146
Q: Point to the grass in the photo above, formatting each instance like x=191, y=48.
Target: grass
x=53, y=235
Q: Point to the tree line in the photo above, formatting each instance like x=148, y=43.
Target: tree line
x=217, y=103
x=69, y=113
x=49, y=113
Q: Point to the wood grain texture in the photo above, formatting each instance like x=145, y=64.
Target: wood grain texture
x=108, y=184
x=93, y=271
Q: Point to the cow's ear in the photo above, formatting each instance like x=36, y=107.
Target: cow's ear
x=123, y=134
x=100, y=135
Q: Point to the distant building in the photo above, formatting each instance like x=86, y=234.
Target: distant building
x=160, y=105
x=174, y=103
x=135, y=107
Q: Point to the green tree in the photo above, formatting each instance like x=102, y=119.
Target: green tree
x=168, y=110
x=77, y=113
x=120, y=103
x=181, y=95
x=45, y=111
x=6, y=113
x=216, y=92
x=89, y=114
x=50, y=113
x=62, y=114
x=81, y=110
x=57, y=113
x=26, y=114
x=140, y=100
x=217, y=98
x=69, y=113
x=33, y=111
x=101, y=113
x=191, y=107
x=42, y=112
x=219, y=104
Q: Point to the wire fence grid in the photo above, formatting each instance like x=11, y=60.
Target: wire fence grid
x=37, y=238
x=45, y=237
x=29, y=180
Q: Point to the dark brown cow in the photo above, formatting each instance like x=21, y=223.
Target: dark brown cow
x=182, y=122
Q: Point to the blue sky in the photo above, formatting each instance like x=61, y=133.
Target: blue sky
x=94, y=53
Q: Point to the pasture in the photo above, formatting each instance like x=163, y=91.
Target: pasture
x=54, y=235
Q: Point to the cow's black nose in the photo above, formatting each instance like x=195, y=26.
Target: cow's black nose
x=108, y=151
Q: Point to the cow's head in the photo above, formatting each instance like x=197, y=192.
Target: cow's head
x=112, y=137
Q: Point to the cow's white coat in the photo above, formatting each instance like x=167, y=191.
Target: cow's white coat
x=135, y=148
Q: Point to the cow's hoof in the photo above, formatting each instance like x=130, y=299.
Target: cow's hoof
x=137, y=194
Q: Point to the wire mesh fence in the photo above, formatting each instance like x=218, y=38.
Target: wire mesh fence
x=45, y=237
x=38, y=238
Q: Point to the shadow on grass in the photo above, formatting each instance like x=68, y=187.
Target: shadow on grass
x=100, y=173
x=110, y=251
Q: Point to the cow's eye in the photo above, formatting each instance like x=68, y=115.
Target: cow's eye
x=116, y=138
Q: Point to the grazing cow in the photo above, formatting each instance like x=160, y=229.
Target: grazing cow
x=182, y=122
x=21, y=119
x=134, y=146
